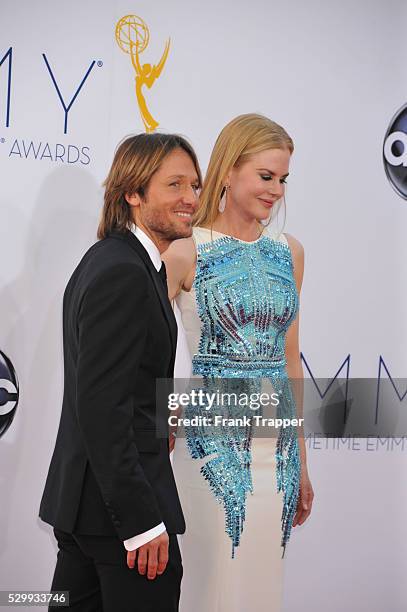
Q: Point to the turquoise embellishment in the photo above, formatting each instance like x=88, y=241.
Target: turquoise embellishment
x=246, y=298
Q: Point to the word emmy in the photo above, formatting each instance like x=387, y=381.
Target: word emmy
x=132, y=36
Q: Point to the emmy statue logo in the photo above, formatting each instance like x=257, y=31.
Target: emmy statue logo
x=132, y=36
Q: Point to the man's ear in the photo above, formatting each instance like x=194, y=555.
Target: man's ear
x=133, y=199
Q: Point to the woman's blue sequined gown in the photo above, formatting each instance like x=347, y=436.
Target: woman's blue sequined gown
x=245, y=300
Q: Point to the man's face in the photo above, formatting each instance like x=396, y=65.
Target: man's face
x=165, y=213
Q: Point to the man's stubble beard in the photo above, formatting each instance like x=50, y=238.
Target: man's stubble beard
x=155, y=223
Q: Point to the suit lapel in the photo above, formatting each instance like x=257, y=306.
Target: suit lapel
x=131, y=239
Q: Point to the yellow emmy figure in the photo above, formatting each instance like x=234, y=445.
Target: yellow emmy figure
x=132, y=36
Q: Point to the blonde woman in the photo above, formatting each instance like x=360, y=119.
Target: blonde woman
x=237, y=285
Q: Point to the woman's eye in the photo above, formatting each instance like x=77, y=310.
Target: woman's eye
x=195, y=188
x=268, y=177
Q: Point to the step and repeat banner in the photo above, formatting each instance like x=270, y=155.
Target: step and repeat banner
x=77, y=77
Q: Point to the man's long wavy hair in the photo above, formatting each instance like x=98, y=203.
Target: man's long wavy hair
x=136, y=160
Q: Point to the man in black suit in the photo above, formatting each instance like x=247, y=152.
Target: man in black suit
x=110, y=486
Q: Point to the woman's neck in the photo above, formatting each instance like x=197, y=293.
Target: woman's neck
x=237, y=227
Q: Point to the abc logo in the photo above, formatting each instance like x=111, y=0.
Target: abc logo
x=395, y=152
x=8, y=393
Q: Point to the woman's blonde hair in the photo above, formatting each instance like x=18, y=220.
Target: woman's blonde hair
x=240, y=138
x=136, y=160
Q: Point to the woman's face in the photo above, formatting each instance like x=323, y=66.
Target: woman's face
x=257, y=184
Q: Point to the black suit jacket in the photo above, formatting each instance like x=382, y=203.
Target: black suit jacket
x=110, y=473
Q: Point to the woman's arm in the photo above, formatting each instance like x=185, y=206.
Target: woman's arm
x=292, y=349
x=296, y=375
x=180, y=260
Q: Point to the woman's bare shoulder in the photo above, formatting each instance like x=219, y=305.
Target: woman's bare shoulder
x=295, y=245
x=297, y=255
x=182, y=250
x=180, y=259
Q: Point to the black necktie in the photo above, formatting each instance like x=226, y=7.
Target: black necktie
x=163, y=275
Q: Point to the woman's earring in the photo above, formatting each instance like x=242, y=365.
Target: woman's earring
x=222, y=203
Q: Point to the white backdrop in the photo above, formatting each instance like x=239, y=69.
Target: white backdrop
x=332, y=73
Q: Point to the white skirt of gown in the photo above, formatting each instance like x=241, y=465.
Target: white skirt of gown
x=212, y=580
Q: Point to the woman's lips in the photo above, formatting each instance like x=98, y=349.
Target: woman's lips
x=268, y=203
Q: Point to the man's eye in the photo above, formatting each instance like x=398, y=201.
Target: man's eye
x=176, y=184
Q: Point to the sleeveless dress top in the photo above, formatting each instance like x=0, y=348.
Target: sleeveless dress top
x=236, y=316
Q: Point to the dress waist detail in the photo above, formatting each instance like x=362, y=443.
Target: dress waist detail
x=255, y=365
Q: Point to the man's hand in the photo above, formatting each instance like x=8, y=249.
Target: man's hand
x=151, y=558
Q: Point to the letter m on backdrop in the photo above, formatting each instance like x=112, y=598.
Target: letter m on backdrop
x=7, y=59
x=322, y=394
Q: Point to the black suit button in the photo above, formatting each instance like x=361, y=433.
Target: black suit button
x=116, y=523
